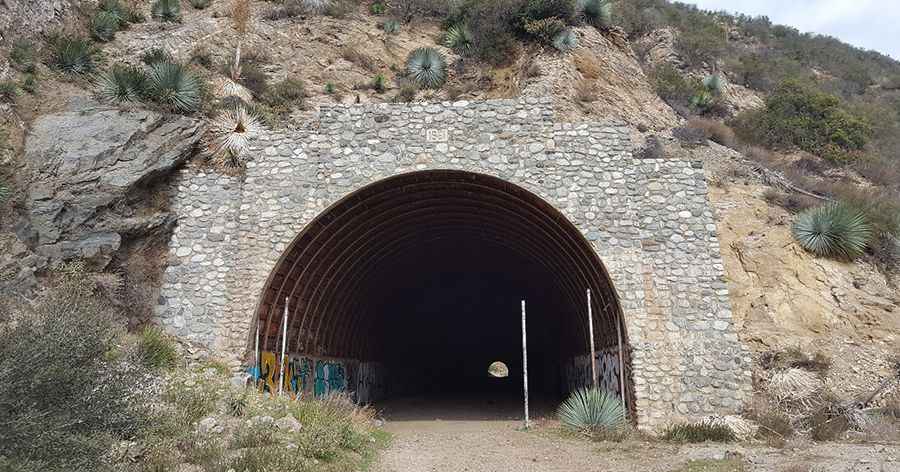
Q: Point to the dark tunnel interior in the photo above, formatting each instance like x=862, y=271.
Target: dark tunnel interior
x=425, y=272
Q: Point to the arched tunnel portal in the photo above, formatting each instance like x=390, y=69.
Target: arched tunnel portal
x=415, y=283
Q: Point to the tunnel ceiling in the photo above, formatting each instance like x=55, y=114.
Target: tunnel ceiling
x=353, y=257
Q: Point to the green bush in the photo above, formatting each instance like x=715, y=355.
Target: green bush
x=534, y=10
x=29, y=83
x=798, y=115
x=427, y=67
x=4, y=191
x=64, y=399
x=167, y=10
x=545, y=29
x=598, y=13
x=702, y=42
x=491, y=24
x=379, y=83
x=200, y=4
x=8, y=91
x=123, y=13
x=104, y=25
x=72, y=54
x=565, y=41
x=22, y=55
x=698, y=432
x=592, y=411
x=833, y=230
x=122, y=83
x=391, y=26
x=174, y=86
x=377, y=8
x=156, y=349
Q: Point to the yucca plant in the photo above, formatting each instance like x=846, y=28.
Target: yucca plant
x=104, y=25
x=167, y=10
x=123, y=13
x=122, y=83
x=702, y=100
x=71, y=54
x=713, y=84
x=459, y=39
x=379, y=83
x=833, y=230
x=4, y=191
x=230, y=133
x=8, y=91
x=173, y=85
x=155, y=55
x=427, y=67
x=237, y=405
x=565, y=41
x=315, y=6
x=391, y=26
x=592, y=411
x=200, y=4
x=598, y=12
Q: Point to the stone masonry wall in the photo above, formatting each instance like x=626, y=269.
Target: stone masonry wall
x=648, y=220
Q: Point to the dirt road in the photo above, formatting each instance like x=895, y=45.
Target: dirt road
x=469, y=437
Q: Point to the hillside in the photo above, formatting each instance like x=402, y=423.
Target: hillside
x=691, y=84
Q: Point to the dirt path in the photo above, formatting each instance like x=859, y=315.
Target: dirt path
x=453, y=438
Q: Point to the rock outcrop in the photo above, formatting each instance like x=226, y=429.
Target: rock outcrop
x=92, y=173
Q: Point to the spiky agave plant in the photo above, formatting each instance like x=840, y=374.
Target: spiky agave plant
x=598, y=12
x=427, y=68
x=565, y=41
x=713, y=83
x=391, y=26
x=229, y=134
x=4, y=191
x=459, y=39
x=833, y=230
x=122, y=83
x=200, y=4
x=315, y=6
x=104, y=25
x=592, y=410
x=173, y=85
x=167, y=10
x=73, y=55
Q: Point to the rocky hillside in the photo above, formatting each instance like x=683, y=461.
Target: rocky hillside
x=680, y=77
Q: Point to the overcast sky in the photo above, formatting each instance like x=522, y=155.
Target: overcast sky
x=869, y=24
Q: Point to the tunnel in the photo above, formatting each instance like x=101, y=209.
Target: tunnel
x=424, y=273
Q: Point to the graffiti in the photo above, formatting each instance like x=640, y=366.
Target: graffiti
x=304, y=377
x=330, y=377
x=578, y=371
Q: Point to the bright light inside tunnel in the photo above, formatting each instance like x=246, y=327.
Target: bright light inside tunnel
x=498, y=370
x=424, y=273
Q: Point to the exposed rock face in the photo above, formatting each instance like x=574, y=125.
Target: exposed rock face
x=90, y=171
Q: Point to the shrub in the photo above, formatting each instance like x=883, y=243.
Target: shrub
x=598, y=13
x=565, y=41
x=591, y=410
x=774, y=425
x=155, y=55
x=72, y=55
x=377, y=8
x=254, y=78
x=123, y=13
x=545, y=30
x=23, y=55
x=489, y=21
x=166, y=10
x=459, y=39
x=200, y=4
x=29, y=83
x=427, y=67
x=285, y=95
x=122, y=83
x=67, y=414
x=8, y=91
x=406, y=93
x=798, y=115
x=715, y=131
x=690, y=136
x=701, y=41
x=156, y=350
x=237, y=404
x=174, y=86
x=391, y=26
x=379, y=83
x=330, y=89
x=4, y=191
x=698, y=432
x=534, y=10
x=104, y=25
x=833, y=230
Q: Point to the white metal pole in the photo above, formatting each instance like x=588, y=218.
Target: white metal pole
x=591, y=338
x=283, y=347
x=256, y=355
x=525, y=365
x=621, y=364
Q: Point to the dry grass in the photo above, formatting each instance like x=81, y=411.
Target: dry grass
x=715, y=131
x=352, y=53
x=586, y=63
x=241, y=16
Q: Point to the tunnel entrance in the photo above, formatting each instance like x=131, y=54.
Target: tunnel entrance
x=412, y=285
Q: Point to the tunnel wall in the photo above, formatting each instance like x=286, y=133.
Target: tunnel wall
x=648, y=220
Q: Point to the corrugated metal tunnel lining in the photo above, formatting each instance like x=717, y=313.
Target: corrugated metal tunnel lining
x=428, y=268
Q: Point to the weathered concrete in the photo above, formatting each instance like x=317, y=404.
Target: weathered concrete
x=648, y=220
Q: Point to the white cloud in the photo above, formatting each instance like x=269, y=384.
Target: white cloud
x=869, y=24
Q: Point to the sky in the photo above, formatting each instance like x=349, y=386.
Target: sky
x=869, y=24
